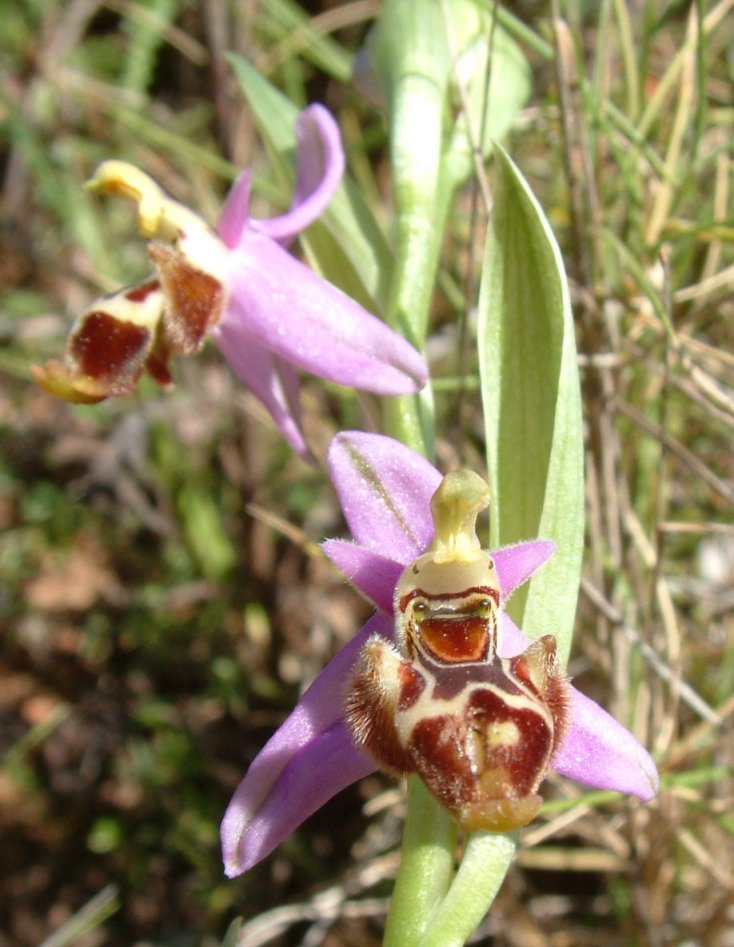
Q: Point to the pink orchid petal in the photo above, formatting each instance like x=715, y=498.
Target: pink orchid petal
x=296, y=314
x=235, y=212
x=597, y=751
x=320, y=159
x=319, y=770
x=515, y=564
x=319, y=708
x=385, y=491
x=272, y=381
x=319, y=173
x=373, y=575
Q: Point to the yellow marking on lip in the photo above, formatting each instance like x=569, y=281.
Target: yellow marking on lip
x=498, y=815
x=503, y=733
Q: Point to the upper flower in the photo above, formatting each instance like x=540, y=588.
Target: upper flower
x=268, y=313
x=385, y=491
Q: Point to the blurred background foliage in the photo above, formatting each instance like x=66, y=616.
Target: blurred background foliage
x=162, y=595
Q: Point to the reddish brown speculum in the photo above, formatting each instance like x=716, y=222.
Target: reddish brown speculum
x=453, y=628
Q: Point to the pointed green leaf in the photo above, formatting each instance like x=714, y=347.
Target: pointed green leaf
x=532, y=404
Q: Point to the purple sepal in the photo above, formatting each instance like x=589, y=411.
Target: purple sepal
x=313, y=774
x=320, y=707
x=268, y=377
x=235, y=214
x=285, y=307
x=515, y=564
x=319, y=172
x=385, y=491
x=602, y=753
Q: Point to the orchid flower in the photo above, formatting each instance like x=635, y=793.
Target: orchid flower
x=267, y=312
x=385, y=491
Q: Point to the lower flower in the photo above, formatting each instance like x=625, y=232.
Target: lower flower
x=439, y=682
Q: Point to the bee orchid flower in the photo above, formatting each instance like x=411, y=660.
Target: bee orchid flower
x=385, y=491
x=268, y=313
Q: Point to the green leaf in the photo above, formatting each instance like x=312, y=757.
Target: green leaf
x=532, y=405
x=232, y=935
x=346, y=246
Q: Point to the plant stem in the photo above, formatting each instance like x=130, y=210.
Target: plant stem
x=426, y=867
x=482, y=871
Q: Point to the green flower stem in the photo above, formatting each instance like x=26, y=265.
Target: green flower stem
x=482, y=871
x=426, y=867
x=409, y=419
x=411, y=56
x=420, y=225
x=429, y=839
x=421, y=219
